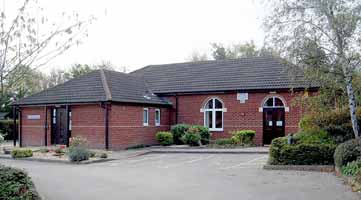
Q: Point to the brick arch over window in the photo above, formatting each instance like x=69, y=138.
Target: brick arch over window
x=213, y=109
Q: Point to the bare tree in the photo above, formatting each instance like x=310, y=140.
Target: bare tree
x=330, y=29
x=31, y=39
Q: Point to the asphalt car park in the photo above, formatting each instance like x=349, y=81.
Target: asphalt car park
x=181, y=176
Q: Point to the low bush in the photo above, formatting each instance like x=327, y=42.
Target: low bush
x=78, y=141
x=243, y=137
x=103, y=155
x=15, y=184
x=202, y=131
x=21, y=153
x=164, y=138
x=191, y=138
x=59, y=151
x=351, y=168
x=178, y=131
x=223, y=141
x=78, y=153
x=92, y=154
x=347, y=152
x=282, y=153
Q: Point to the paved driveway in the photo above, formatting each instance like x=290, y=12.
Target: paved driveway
x=182, y=176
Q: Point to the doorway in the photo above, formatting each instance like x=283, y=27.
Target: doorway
x=59, y=124
x=273, y=119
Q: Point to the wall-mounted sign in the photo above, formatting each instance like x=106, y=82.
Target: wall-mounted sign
x=32, y=117
x=242, y=97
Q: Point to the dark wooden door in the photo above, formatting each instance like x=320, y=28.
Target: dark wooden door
x=61, y=133
x=273, y=124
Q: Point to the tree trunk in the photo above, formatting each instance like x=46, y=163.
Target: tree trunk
x=352, y=105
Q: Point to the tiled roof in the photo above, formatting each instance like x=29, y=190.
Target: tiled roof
x=96, y=86
x=222, y=75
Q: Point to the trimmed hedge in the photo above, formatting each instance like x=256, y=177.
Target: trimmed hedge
x=178, y=131
x=15, y=184
x=282, y=153
x=347, y=152
x=21, y=153
x=164, y=138
x=192, y=138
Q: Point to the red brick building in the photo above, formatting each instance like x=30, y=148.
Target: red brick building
x=117, y=110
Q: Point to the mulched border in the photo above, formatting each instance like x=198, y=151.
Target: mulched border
x=57, y=161
x=313, y=168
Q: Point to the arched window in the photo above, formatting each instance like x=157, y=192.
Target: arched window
x=213, y=114
x=273, y=102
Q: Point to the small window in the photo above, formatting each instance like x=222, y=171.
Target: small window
x=213, y=115
x=145, y=117
x=157, y=117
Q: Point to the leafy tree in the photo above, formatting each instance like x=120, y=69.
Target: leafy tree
x=240, y=50
x=321, y=36
x=33, y=40
x=196, y=56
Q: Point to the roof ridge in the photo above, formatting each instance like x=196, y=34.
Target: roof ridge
x=108, y=94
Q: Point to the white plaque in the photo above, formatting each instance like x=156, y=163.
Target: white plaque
x=33, y=117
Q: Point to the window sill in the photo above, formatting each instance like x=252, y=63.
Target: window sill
x=216, y=129
x=145, y=125
x=157, y=125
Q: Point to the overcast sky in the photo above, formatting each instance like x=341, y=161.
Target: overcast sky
x=136, y=33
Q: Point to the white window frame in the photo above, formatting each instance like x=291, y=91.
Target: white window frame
x=213, y=110
x=145, y=123
x=157, y=110
x=274, y=102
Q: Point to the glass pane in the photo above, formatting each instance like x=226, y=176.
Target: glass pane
x=218, y=104
x=219, y=120
x=269, y=102
x=145, y=116
x=209, y=104
x=157, y=114
x=208, y=119
x=278, y=102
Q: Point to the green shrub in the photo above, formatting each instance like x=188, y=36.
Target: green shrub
x=178, y=131
x=21, y=153
x=59, y=151
x=6, y=129
x=351, y=168
x=78, y=141
x=243, y=136
x=347, y=152
x=275, y=150
x=137, y=146
x=282, y=153
x=191, y=138
x=337, y=123
x=202, y=131
x=44, y=150
x=78, y=153
x=103, y=155
x=313, y=137
x=223, y=141
x=92, y=154
x=164, y=138
x=15, y=184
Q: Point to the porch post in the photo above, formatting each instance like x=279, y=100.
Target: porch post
x=106, y=107
x=14, y=126
x=20, y=129
x=46, y=127
x=67, y=125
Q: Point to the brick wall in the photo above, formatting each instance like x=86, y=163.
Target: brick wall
x=239, y=115
x=33, y=130
x=126, y=125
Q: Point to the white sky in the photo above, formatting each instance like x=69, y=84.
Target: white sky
x=136, y=33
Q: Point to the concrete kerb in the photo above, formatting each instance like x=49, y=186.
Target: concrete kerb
x=314, y=168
